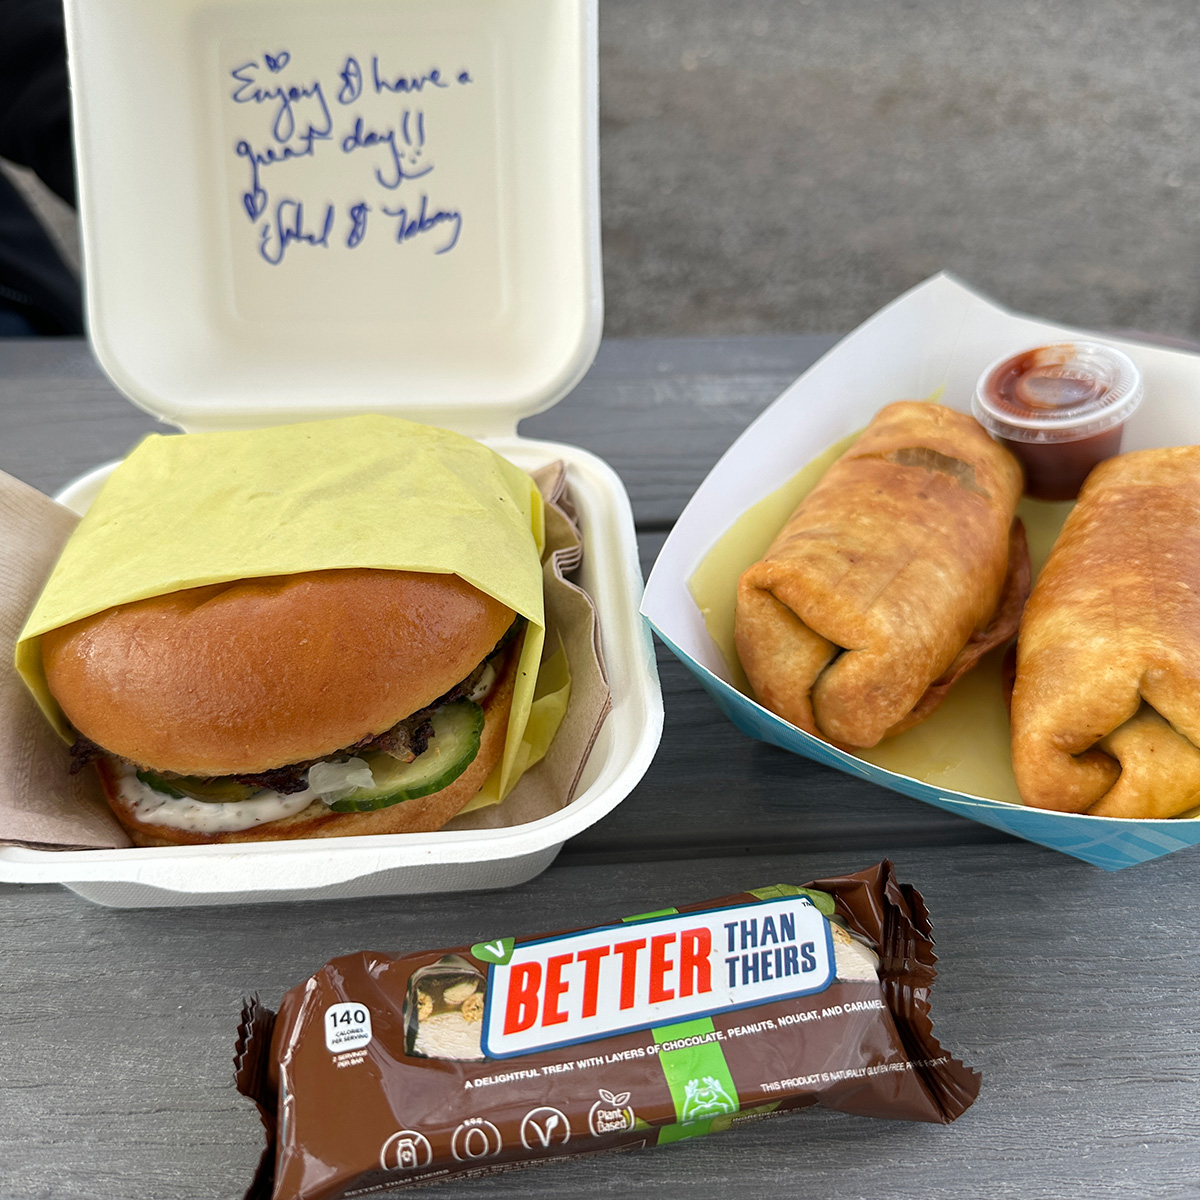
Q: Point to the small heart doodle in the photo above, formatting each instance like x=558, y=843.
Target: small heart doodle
x=254, y=203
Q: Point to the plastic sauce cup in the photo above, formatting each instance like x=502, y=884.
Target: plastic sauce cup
x=1060, y=409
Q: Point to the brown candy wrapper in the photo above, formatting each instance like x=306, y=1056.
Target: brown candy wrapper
x=384, y=1071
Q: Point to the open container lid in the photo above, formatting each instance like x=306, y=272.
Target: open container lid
x=333, y=206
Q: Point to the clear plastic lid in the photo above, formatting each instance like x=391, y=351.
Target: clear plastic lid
x=1059, y=393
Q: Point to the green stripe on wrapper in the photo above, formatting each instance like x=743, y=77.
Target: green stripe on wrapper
x=822, y=901
x=659, y=912
x=698, y=1077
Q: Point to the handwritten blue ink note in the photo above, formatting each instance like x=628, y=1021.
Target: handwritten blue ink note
x=372, y=123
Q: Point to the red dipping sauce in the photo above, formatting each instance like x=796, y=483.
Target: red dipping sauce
x=1060, y=409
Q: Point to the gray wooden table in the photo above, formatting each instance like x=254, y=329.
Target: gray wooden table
x=1073, y=991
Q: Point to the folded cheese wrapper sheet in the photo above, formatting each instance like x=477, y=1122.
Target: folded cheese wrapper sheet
x=367, y=491
x=382, y=1071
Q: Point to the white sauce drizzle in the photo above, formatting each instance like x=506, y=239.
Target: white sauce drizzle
x=198, y=816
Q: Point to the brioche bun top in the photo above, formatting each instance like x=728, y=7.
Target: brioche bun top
x=242, y=677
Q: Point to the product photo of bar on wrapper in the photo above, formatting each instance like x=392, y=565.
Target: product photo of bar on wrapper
x=382, y=1071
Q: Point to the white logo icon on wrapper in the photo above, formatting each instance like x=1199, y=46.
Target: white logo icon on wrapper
x=475, y=1138
x=610, y=1114
x=543, y=1128
x=406, y=1150
x=705, y=1098
x=347, y=1027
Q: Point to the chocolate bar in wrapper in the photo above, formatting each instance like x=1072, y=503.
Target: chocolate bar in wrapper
x=382, y=1071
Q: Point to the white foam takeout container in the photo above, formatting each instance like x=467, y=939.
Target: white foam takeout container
x=939, y=335
x=344, y=206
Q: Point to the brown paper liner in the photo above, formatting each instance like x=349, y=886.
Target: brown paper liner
x=44, y=807
x=570, y=615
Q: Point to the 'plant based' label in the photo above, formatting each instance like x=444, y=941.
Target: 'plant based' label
x=653, y=972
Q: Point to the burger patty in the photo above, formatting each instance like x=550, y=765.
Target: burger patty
x=407, y=739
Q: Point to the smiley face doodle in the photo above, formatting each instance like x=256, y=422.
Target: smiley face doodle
x=706, y=1098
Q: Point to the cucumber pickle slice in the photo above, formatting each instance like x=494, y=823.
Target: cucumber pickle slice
x=457, y=729
x=219, y=790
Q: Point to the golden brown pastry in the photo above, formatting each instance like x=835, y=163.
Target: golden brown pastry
x=1106, y=703
x=901, y=568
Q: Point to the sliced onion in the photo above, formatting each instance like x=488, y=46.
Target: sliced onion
x=331, y=780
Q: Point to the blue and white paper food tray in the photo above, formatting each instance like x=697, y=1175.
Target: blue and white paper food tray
x=940, y=335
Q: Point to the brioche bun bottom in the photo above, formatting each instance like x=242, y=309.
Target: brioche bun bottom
x=426, y=814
